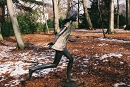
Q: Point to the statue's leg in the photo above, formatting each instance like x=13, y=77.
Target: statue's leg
x=57, y=58
x=70, y=64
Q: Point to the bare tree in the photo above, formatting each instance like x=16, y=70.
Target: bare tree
x=127, y=15
x=15, y=25
x=118, y=14
x=1, y=38
x=68, y=4
x=110, y=29
x=2, y=18
x=101, y=18
x=44, y=5
x=87, y=15
x=56, y=16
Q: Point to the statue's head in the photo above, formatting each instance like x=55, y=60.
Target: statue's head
x=72, y=15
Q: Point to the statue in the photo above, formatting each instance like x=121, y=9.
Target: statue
x=59, y=45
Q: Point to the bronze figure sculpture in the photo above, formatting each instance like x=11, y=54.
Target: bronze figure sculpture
x=59, y=45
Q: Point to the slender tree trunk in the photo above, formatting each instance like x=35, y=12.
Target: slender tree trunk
x=0, y=15
x=18, y=36
x=44, y=5
x=1, y=37
x=127, y=15
x=118, y=14
x=58, y=6
x=87, y=15
x=68, y=5
x=110, y=29
x=56, y=16
x=78, y=13
x=2, y=19
x=101, y=18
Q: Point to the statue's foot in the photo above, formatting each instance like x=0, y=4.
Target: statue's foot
x=30, y=73
x=71, y=80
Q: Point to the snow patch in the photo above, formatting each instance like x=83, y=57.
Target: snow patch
x=19, y=67
x=103, y=44
x=114, y=40
x=119, y=84
x=110, y=55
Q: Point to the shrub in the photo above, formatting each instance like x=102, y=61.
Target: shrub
x=50, y=23
x=27, y=23
x=7, y=29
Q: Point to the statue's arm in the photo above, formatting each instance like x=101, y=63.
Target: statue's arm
x=62, y=31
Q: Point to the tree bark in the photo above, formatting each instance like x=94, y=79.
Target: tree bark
x=44, y=5
x=110, y=29
x=56, y=16
x=101, y=18
x=14, y=21
x=0, y=15
x=118, y=14
x=127, y=15
x=87, y=15
x=68, y=5
x=1, y=37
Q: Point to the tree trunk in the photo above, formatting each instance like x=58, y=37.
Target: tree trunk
x=87, y=15
x=1, y=37
x=56, y=16
x=2, y=19
x=0, y=15
x=110, y=29
x=127, y=15
x=101, y=18
x=118, y=14
x=68, y=5
x=44, y=5
x=15, y=25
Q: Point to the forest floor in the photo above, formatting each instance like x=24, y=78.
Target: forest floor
x=98, y=61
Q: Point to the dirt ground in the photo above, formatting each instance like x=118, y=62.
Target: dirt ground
x=98, y=61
